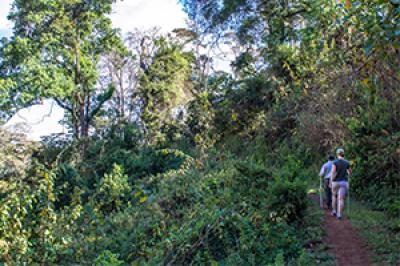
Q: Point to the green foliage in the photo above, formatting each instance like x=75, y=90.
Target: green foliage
x=244, y=106
x=201, y=123
x=106, y=258
x=15, y=152
x=67, y=179
x=54, y=53
x=379, y=231
x=112, y=190
x=207, y=168
x=164, y=86
x=28, y=228
x=185, y=216
x=138, y=161
x=287, y=199
x=375, y=150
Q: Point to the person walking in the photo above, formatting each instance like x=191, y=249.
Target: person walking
x=341, y=171
x=325, y=173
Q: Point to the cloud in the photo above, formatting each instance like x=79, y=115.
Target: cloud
x=5, y=32
x=145, y=14
x=5, y=7
x=41, y=119
x=5, y=24
x=127, y=15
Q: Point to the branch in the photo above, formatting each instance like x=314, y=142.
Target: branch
x=294, y=13
x=101, y=100
x=40, y=120
x=63, y=105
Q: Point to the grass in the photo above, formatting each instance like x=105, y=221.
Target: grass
x=378, y=231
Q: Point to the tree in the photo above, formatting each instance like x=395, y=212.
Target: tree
x=164, y=85
x=123, y=70
x=54, y=53
x=15, y=154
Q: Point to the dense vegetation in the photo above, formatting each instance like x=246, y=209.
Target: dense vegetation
x=171, y=162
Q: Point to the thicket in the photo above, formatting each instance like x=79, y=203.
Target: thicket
x=160, y=210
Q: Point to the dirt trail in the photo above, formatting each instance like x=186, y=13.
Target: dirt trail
x=344, y=243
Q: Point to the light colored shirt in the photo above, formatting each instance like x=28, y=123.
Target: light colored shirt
x=326, y=170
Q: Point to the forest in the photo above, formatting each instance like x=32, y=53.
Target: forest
x=169, y=161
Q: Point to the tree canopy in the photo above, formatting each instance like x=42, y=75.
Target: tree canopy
x=54, y=53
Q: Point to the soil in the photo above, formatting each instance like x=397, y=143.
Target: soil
x=344, y=243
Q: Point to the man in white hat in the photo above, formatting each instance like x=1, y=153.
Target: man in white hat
x=340, y=183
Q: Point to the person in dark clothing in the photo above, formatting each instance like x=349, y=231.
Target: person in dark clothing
x=325, y=173
x=340, y=183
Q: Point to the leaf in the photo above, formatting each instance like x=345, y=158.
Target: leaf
x=143, y=199
x=365, y=81
x=368, y=48
x=234, y=117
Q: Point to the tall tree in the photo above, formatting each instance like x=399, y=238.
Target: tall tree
x=54, y=53
x=164, y=84
x=123, y=69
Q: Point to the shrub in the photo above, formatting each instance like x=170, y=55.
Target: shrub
x=287, y=200
x=113, y=190
x=106, y=258
x=375, y=154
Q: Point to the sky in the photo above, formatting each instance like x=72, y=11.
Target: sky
x=5, y=25
x=127, y=15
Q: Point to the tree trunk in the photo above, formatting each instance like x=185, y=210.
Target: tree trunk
x=122, y=94
x=87, y=115
x=82, y=120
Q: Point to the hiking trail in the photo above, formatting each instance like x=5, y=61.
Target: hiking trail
x=343, y=241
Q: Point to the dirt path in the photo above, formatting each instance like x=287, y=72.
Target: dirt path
x=344, y=243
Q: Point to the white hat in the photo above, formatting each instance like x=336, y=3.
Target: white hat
x=340, y=151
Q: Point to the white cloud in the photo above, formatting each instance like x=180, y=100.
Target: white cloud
x=129, y=14
x=166, y=14
x=40, y=120
x=5, y=7
x=5, y=25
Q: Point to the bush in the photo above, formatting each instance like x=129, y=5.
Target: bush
x=375, y=153
x=106, y=258
x=113, y=190
x=287, y=200
x=157, y=208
